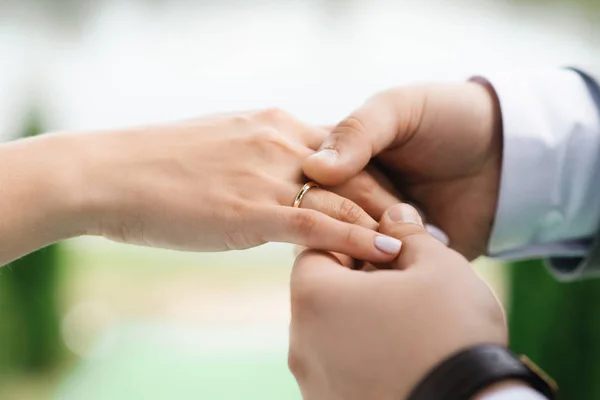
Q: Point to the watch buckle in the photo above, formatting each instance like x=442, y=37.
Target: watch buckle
x=533, y=367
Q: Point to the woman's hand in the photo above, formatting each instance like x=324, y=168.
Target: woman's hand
x=217, y=183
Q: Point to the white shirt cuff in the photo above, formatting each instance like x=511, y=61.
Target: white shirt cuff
x=550, y=184
x=514, y=393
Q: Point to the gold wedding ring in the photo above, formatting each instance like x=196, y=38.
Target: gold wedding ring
x=307, y=186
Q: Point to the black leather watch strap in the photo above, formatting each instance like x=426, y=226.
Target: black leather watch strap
x=463, y=375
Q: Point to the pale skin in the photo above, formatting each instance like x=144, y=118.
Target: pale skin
x=217, y=183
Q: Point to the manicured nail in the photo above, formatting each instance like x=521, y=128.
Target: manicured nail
x=438, y=234
x=404, y=213
x=388, y=244
x=328, y=156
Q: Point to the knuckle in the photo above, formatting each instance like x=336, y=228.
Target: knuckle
x=268, y=135
x=241, y=119
x=237, y=209
x=233, y=237
x=272, y=141
x=297, y=358
x=305, y=223
x=364, y=185
x=301, y=297
x=273, y=114
x=268, y=142
x=497, y=314
x=365, y=181
x=352, y=237
x=349, y=212
x=351, y=125
x=296, y=361
x=304, y=300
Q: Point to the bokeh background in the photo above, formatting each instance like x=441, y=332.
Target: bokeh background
x=90, y=319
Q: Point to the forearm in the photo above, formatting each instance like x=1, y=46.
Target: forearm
x=41, y=194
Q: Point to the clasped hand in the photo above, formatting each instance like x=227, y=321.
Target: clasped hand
x=228, y=182
x=374, y=335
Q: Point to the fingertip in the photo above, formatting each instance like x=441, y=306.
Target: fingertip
x=320, y=231
x=403, y=213
x=388, y=245
x=343, y=155
x=326, y=156
x=401, y=220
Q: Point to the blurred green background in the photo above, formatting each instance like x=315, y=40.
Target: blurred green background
x=89, y=319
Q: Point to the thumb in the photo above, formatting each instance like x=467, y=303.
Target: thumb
x=403, y=222
x=387, y=118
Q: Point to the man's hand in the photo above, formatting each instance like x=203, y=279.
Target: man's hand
x=440, y=144
x=374, y=335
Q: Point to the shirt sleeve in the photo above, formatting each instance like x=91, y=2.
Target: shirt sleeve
x=549, y=203
x=514, y=393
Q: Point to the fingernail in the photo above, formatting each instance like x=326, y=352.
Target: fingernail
x=404, y=213
x=328, y=156
x=438, y=234
x=388, y=244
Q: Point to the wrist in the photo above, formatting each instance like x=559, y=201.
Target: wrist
x=97, y=171
x=60, y=171
x=41, y=194
x=483, y=369
x=113, y=168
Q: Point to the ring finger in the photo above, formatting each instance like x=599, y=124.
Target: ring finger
x=337, y=207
